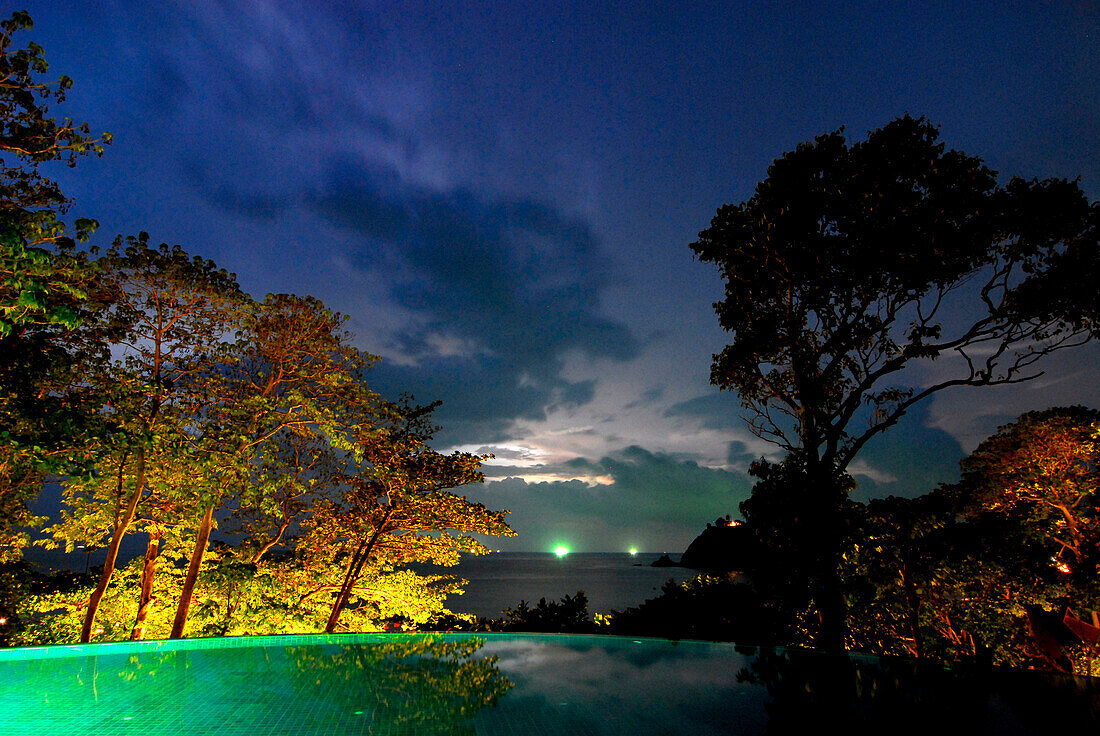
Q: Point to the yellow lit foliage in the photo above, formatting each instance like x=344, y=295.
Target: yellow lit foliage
x=1048, y=461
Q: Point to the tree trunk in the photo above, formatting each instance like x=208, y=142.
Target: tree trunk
x=147, y=573
x=112, y=550
x=355, y=566
x=184, y=606
x=832, y=608
x=269, y=544
x=828, y=538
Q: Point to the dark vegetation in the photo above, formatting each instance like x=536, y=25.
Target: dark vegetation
x=172, y=405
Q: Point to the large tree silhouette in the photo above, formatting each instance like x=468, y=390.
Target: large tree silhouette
x=853, y=265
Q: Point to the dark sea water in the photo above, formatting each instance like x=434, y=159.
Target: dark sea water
x=611, y=581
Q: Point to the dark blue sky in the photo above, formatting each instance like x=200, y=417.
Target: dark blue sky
x=501, y=197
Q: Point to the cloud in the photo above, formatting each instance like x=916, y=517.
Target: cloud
x=475, y=297
x=971, y=414
x=505, y=290
x=650, y=500
x=714, y=410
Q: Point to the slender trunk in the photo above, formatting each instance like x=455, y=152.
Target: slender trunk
x=147, y=573
x=355, y=566
x=121, y=527
x=353, y=571
x=230, y=607
x=269, y=544
x=184, y=606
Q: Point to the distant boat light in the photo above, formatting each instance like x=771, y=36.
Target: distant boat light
x=633, y=550
x=561, y=551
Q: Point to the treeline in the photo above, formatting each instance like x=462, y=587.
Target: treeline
x=169, y=404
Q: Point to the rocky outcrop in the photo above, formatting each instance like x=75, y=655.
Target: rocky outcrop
x=722, y=547
x=664, y=561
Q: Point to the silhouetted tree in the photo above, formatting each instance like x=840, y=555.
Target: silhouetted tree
x=785, y=518
x=853, y=264
x=569, y=615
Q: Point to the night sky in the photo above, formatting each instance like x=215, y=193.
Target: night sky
x=501, y=196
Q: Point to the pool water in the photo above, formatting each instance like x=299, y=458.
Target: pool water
x=526, y=685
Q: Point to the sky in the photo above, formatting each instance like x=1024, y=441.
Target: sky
x=501, y=197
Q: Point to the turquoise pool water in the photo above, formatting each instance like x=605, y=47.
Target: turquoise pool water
x=526, y=685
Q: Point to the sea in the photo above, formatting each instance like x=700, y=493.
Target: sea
x=610, y=581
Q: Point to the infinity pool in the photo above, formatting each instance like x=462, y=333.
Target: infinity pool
x=508, y=684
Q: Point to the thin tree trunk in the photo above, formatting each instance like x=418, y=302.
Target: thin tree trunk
x=354, y=568
x=353, y=572
x=269, y=544
x=112, y=550
x=184, y=606
x=147, y=573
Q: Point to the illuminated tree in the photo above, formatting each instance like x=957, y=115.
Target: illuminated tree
x=177, y=311
x=1037, y=482
x=1045, y=466
x=927, y=582
x=852, y=265
x=292, y=368
x=397, y=508
x=958, y=573
x=292, y=472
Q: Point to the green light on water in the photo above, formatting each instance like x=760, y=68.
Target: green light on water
x=633, y=550
x=561, y=551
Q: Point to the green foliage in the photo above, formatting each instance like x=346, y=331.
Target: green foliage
x=46, y=417
x=27, y=133
x=396, y=506
x=276, y=431
x=173, y=401
x=37, y=285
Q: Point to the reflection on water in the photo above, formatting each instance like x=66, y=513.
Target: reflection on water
x=407, y=685
x=507, y=684
x=426, y=686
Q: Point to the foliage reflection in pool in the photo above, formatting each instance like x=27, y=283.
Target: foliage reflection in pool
x=508, y=684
